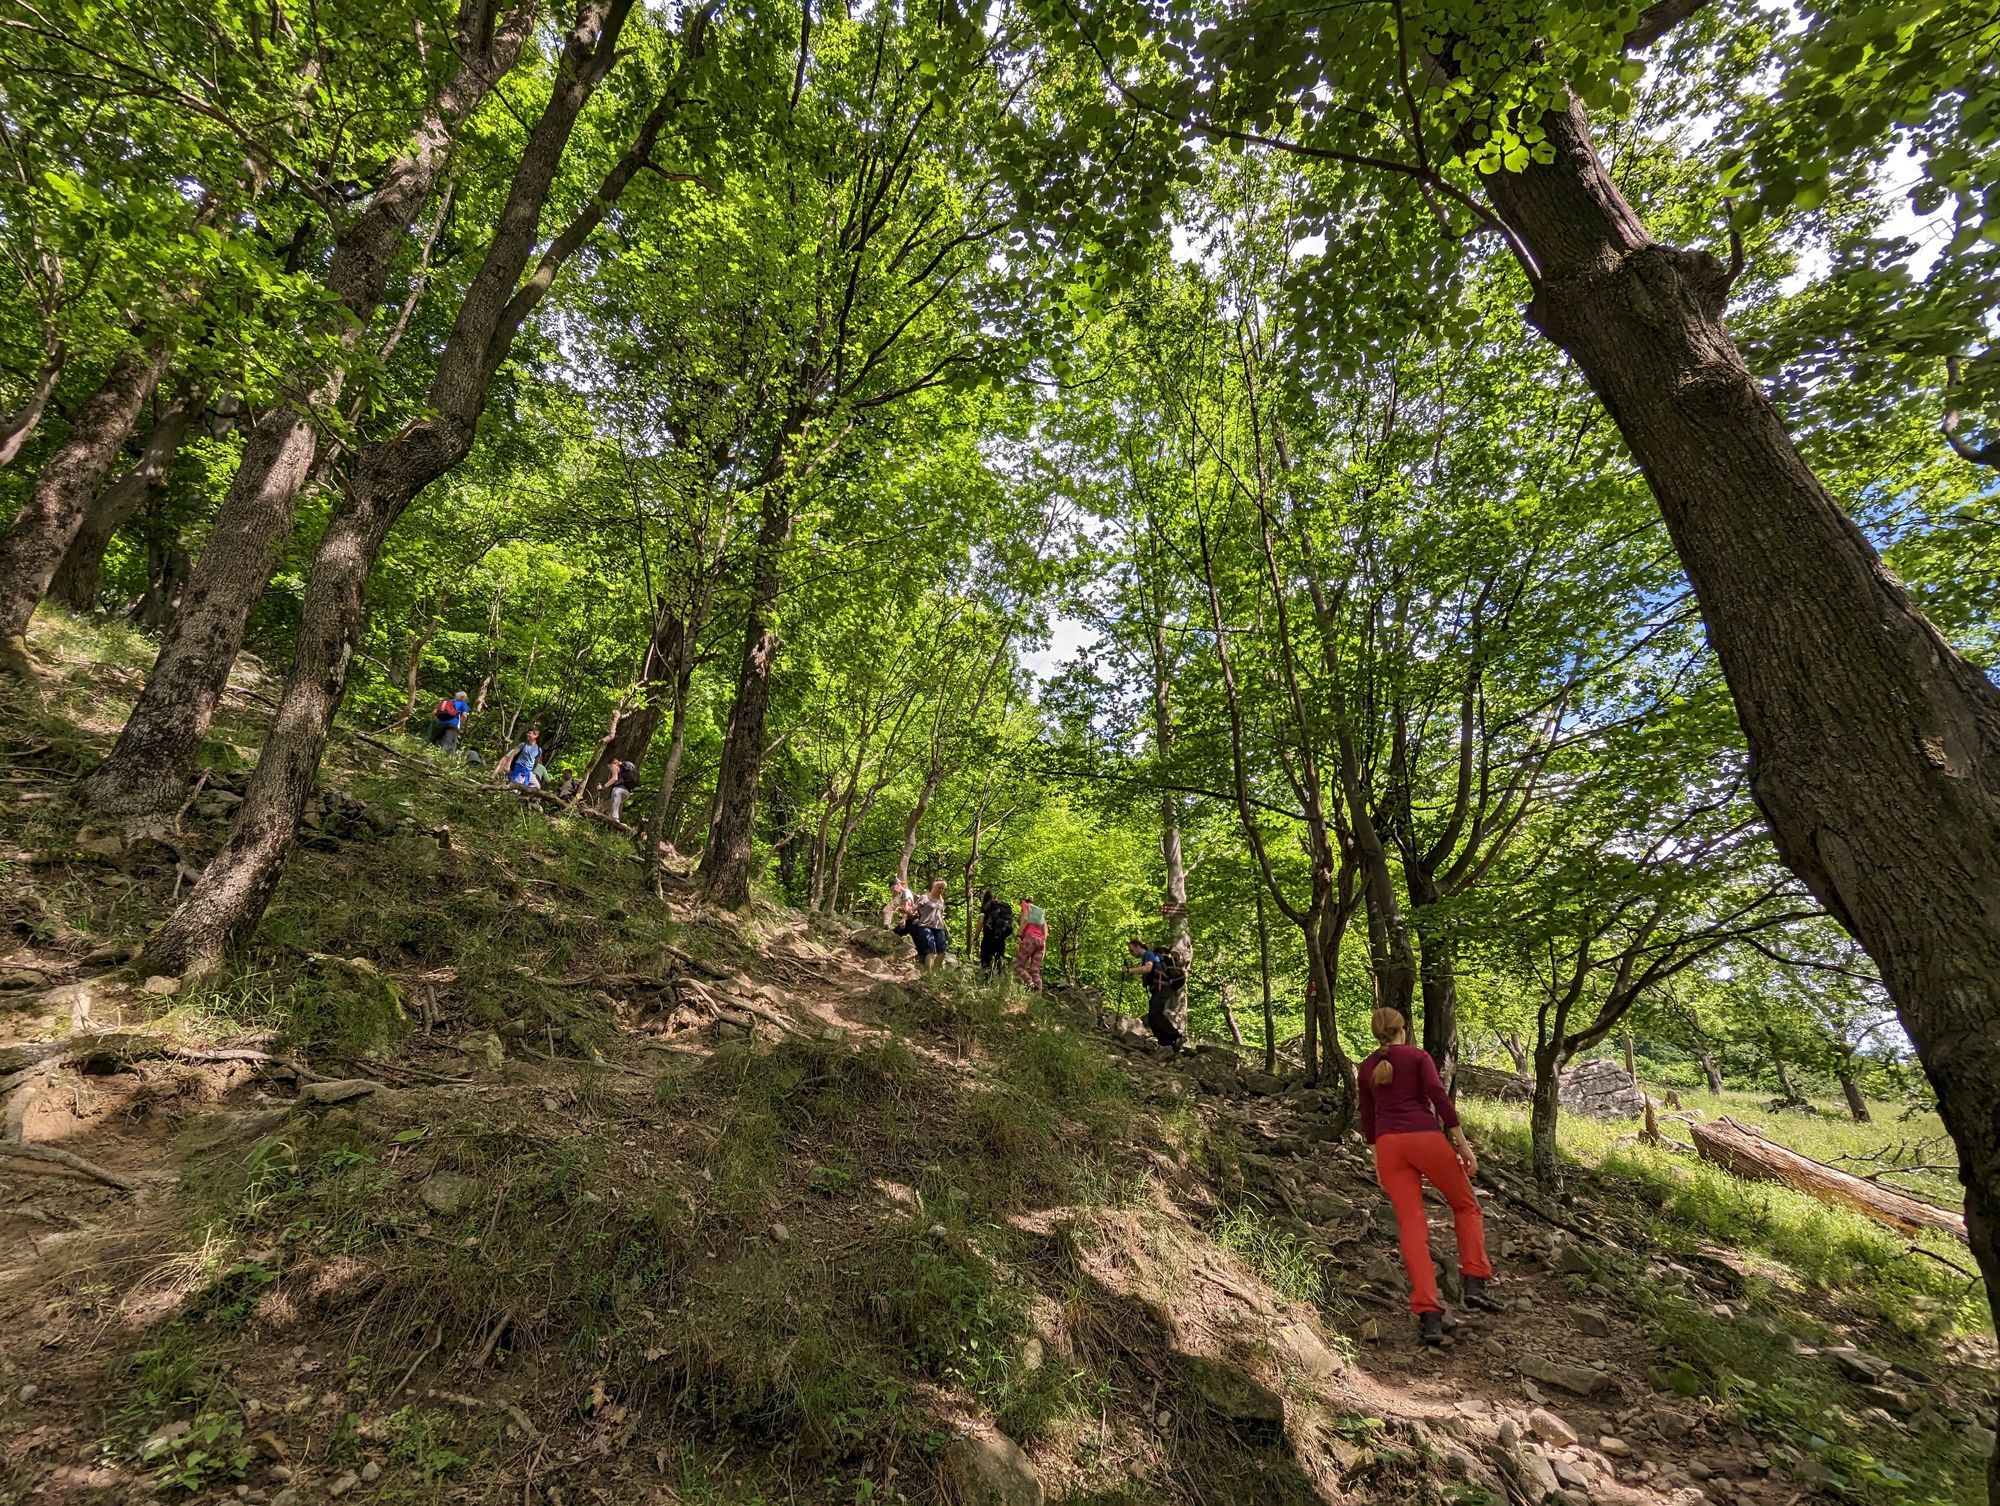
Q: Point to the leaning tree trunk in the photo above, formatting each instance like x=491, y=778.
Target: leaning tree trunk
x=633, y=734
x=35, y=542
x=148, y=768
x=1875, y=747
x=232, y=893
x=75, y=581
x=725, y=861
x=1857, y=1106
x=1711, y=1071
x=18, y=427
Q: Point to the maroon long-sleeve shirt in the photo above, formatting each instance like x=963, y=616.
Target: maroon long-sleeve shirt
x=1414, y=1100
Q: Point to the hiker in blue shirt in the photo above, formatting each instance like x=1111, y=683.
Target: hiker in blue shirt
x=448, y=720
x=1165, y=980
x=521, y=761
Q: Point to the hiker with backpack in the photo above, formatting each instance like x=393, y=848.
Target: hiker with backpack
x=1413, y=1125
x=1033, y=943
x=447, y=720
x=1165, y=981
x=996, y=924
x=621, y=781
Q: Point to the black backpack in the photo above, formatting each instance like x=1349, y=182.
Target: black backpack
x=1170, y=972
x=999, y=921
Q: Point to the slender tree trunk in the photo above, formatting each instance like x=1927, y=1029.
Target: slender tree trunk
x=1785, y=1088
x=427, y=624
x=1875, y=747
x=632, y=734
x=656, y=823
x=35, y=542
x=1517, y=1052
x=1436, y=972
x=1710, y=1071
x=725, y=862
x=1542, y=1119
x=18, y=427
x=1857, y=1106
x=1264, y=976
x=1393, y=963
x=149, y=766
x=75, y=580
x=1228, y=1014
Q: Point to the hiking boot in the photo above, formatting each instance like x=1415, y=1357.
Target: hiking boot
x=1477, y=1296
x=1430, y=1330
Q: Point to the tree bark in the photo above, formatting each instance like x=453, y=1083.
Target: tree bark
x=75, y=580
x=1264, y=974
x=725, y=862
x=427, y=624
x=1857, y=1106
x=148, y=768
x=1740, y=1149
x=18, y=427
x=1542, y=1117
x=1875, y=746
x=637, y=724
x=1711, y=1071
x=232, y=893
x=35, y=542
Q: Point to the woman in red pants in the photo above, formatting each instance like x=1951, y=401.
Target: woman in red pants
x=1409, y=1119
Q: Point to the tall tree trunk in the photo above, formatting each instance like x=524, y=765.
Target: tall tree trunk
x=149, y=766
x=1436, y=972
x=1875, y=746
x=75, y=580
x=1228, y=1014
x=233, y=891
x=1264, y=975
x=1785, y=1088
x=41, y=531
x=18, y=427
x=725, y=861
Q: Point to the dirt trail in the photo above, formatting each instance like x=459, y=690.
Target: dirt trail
x=1551, y=1398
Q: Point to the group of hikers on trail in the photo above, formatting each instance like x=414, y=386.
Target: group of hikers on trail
x=522, y=765
x=921, y=917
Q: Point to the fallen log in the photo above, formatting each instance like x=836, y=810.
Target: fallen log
x=1739, y=1149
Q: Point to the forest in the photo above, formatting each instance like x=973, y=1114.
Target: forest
x=1487, y=512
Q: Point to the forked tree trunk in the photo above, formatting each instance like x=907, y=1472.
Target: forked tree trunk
x=725, y=861
x=638, y=723
x=231, y=895
x=75, y=581
x=149, y=767
x=35, y=542
x=1875, y=746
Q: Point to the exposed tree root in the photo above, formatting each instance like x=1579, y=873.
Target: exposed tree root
x=25, y=1151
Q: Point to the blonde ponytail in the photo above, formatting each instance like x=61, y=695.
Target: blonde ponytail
x=1384, y=1073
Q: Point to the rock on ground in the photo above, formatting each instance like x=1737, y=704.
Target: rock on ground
x=987, y=1468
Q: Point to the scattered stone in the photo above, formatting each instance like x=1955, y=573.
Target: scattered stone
x=1550, y=1428
x=1263, y=1084
x=1591, y=1323
x=1858, y=1365
x=1032, y=1354
x=1578, y=1380
x=1542, y=1478
x=1371, y=1332
x=1569, y=1476
x=371, y=1472
x=1617, y=1448
x=161, y=985
x=1980, y=1436
x=28, y=1392
x=446, y=1192
x=161, y=1441
x=1602, y=1089
x=1573, y=1260
x=987, y=1468
x=1232, y=1394
x=289, y=1496
x=1308, y=1352
x=343, y=1485
x=100, y=844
